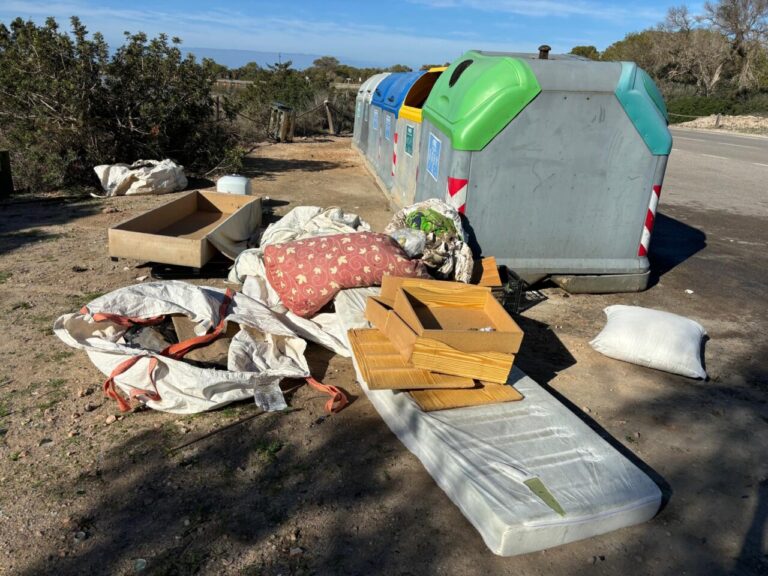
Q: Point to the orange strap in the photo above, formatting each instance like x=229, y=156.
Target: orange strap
x=177, y=351
x=338, y=400
x=111, y=390
x=125, y=321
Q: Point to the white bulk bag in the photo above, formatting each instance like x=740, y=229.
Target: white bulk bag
x=255, y=365
x=141, y=177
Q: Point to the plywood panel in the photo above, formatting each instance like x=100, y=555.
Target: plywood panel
x=390, y=285
x=483, y=393
x=197, y=225
x=437, y=356
x=385, y=369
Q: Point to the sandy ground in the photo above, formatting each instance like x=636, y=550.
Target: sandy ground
x=744, y=124
x=302, y=493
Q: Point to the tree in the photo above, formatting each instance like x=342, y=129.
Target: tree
x=327, y=63
x=161, y=102
x=745, y=24
x=636, y=47
x=278, y=82
x=691, y=54
x=586, y=52
x=51, y=116
x=399, y=68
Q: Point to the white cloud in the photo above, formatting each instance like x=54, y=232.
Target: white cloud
x=229, y=30
x=548, y=8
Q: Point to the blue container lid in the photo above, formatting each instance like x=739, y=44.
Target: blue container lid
x=392, y=90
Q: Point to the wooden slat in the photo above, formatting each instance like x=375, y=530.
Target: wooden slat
x=390, y=285
x=383, y=367
x=483, y=393
x=489, y=273
x=436, y=356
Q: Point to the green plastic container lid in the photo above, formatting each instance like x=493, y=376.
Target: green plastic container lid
x=477, y=96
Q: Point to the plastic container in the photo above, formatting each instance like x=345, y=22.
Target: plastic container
x=385, y=106
x=557, y=164
x=362, y=110
x=405, y=161
x=234, y=184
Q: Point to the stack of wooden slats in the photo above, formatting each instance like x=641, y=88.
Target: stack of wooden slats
x=448, y=344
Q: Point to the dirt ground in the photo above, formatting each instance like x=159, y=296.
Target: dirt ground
x=302, y=493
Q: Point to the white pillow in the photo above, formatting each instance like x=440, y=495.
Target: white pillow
x=652, y=338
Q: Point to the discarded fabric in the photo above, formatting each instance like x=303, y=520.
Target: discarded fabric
x=141, y=177
x=307, y=274
x=445, y=251
x=264, y=351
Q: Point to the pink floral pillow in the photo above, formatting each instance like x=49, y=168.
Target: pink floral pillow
x=307, y=274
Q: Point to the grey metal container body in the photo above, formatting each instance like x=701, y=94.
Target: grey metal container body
x=362, y=111
x=373, y=150
x=383, y=162
x=565, y=187
x=407, y=163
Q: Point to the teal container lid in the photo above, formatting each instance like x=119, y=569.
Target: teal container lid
x=645, y=107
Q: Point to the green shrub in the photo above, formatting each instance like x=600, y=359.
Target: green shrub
x=68, y=106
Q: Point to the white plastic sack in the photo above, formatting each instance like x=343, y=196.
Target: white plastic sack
x=255, y=365
x=451, y=258
x=141, y=177
x=652, y=338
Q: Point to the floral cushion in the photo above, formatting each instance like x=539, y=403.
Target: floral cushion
x=308, y=273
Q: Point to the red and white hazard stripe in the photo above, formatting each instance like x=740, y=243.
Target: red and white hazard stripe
x=650, y=216
x=457, y=193
x=394, y=156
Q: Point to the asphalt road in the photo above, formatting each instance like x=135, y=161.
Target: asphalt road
x=718, y=171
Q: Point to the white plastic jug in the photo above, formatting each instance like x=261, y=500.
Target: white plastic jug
x=234, y=184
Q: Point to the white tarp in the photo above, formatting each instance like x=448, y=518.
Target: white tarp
x=301, y=222
x=141, y=177
x=481, y=456
x=255, y=364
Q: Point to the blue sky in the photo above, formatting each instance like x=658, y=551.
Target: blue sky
x=412, y=32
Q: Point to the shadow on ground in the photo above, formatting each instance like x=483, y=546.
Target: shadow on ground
x=673, y=243
x=269, y=168
x=287, y=494
x=22, y=217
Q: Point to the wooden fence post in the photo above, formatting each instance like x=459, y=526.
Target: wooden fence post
x=6, y=179
x=330, y=118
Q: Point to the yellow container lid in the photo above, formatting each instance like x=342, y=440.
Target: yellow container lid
x=417, y=95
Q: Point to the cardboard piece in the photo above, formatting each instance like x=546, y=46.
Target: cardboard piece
x=383, y=368
x=180, y=231
x=483, y=393
x=217, y=352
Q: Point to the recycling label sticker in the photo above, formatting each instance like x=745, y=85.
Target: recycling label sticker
x=388, y=127
x=375, y=118
x=433, y=156
x=409, y=133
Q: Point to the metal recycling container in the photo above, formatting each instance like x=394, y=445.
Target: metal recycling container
x=405, y=158
x=387, y=99
x=557, y=164
x=362, y=108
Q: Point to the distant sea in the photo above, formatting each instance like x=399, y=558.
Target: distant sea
x=237, y=58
